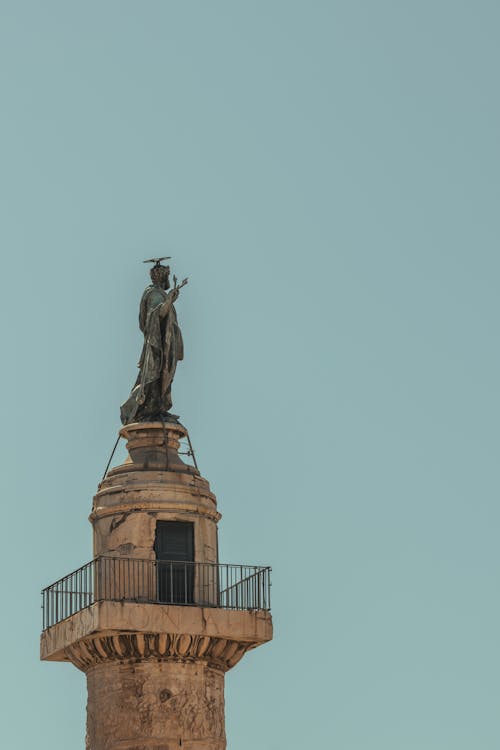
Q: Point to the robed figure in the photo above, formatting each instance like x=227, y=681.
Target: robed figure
x=151, y=398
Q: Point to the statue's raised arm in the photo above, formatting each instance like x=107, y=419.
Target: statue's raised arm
x=151, y=398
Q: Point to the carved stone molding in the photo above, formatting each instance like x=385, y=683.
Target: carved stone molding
x=218, y=653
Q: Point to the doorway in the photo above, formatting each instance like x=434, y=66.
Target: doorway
x=174, y=548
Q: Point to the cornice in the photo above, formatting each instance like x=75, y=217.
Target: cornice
x=217, y=653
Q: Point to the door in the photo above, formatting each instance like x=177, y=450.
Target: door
x=174, y=547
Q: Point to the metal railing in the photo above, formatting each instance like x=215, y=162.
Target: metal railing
x=125, y=579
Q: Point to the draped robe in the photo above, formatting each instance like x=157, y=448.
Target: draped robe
x=163, y=347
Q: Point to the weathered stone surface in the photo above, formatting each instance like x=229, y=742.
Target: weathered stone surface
x=154, y=705
x=156, y=444
x=249, y=628
x=216, y=653
x=155, y=672
x=142, y=491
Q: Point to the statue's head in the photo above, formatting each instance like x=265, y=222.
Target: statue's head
x=160, y=275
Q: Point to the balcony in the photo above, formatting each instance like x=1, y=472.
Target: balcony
x=164, y=582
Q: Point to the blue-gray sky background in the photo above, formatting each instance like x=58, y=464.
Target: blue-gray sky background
x=327, y=175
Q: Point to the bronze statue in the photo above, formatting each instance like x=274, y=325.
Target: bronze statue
x=151, y=398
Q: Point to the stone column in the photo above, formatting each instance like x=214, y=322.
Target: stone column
x=155, y=705
x=155, y=670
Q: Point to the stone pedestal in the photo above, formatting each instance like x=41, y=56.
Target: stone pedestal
x=153, y=485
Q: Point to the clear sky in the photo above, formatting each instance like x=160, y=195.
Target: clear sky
x=327, y=175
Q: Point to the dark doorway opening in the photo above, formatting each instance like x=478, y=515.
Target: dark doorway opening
x=174, y=547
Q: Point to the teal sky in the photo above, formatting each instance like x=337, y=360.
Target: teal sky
x=327, y=175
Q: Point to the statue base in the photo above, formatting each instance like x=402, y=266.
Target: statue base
x=160, y=417
x=155, y=445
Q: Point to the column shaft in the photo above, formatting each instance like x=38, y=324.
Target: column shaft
x=155, y=705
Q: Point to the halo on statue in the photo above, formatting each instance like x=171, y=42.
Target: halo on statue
x=157, y=261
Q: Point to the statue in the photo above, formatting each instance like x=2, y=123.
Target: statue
x=151, y=398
